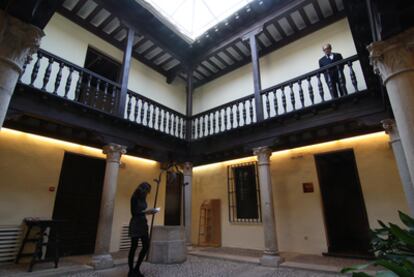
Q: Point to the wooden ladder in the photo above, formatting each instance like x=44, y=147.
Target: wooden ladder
x=42, y=239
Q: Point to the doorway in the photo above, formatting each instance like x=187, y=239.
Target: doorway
x=346, y=220
x=77, y=203
x=173, y=201
x=103, y=65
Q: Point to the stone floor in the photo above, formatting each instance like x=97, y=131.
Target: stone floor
x=201, y=262
x=206, y=267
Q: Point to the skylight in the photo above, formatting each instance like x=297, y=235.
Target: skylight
x=193, y=17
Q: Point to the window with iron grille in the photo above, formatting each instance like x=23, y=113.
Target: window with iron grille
x=244, y=193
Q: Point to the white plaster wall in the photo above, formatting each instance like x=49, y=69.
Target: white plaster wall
x=299, y=216
x=289, y=62
x=70, y=42
x=30, y=164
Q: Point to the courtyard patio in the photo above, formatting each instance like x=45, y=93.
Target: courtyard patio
x=200, y=262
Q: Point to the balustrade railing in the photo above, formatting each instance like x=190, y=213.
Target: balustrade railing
x=232, y=115
x=54, y=75
x=325, y=84
x=59, y=77
x=151, y=114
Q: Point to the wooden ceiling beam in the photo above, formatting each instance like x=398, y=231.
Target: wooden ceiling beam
x=220, y=59
x=107, y=21
x=268, y=35
x=334, y=6
x=318, y=10
x=149, y=49
x=292, y=23
x=211, y=72
x=110, y=39
x=304, y=17
x=286, y=7
x=318, y=25
x=212, y=64
x=93, y=13
x=131, y=21
x=78, y=6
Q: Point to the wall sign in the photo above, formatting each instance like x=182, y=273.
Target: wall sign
x=307, y=187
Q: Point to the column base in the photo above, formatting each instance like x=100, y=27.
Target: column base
x=189, y=246
x=102, y=261
x=271, y=260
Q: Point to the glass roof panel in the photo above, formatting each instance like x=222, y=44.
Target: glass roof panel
x=193, y=17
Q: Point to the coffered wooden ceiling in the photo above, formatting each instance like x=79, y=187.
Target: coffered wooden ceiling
x=219, y=50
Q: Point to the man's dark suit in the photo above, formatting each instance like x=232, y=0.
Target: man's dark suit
x=332, y=74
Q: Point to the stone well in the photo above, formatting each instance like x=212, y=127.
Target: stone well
x=168, y=245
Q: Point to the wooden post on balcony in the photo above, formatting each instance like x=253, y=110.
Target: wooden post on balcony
x=126, y=64
x=256, y=72
x=189, y=110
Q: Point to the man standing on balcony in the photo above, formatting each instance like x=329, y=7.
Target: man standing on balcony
x=334, y=77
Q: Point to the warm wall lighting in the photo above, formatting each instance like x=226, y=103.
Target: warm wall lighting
x=332, y=145
x=225, y=163
x=65, y=145
x=127, y=159
x=320, y=147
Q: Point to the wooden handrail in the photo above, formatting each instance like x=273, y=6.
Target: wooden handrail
x=228, y=104
x=133, y=93
x=285, y=83
x=289, y=96
x=77, y=67
x=310, y=74
x=98, y=92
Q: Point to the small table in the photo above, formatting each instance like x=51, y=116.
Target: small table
x=44, y=237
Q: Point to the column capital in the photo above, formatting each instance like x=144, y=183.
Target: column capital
x=188, y=168
x=114, y=152
x=391, y=129
x=18, y=41
x=263, y=154
x=393, y=56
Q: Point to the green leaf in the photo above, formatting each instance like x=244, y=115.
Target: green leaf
x=396, y=268
x=407, y=220
x=360, y=274
x=408, y=265
x=386, y=274
x=382, y=224
x=356, y=267
x=401, y=234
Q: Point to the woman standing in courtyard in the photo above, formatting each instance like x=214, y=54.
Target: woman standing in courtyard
x=138, y=227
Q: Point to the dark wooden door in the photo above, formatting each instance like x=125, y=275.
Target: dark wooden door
x=173, y=198
x=77, y=203
x=344, y=208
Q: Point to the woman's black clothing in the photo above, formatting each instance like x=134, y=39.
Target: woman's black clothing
x=138, y=226
x=142, y=253
x=138, y=230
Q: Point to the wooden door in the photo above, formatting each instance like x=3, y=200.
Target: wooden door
x=78, y=202
x=173, y=199
x=344, y=208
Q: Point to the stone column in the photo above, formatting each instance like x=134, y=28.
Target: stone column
x=271, y=255
x=18, y=42
x=395, y=141
x=102, y=257
x=188, y=182
x=393, y=60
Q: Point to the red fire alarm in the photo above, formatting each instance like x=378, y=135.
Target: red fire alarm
x=51, y=189
x=307, y=187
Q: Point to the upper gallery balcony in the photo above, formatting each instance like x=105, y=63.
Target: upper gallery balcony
x=300, y=98
x=61, y=94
